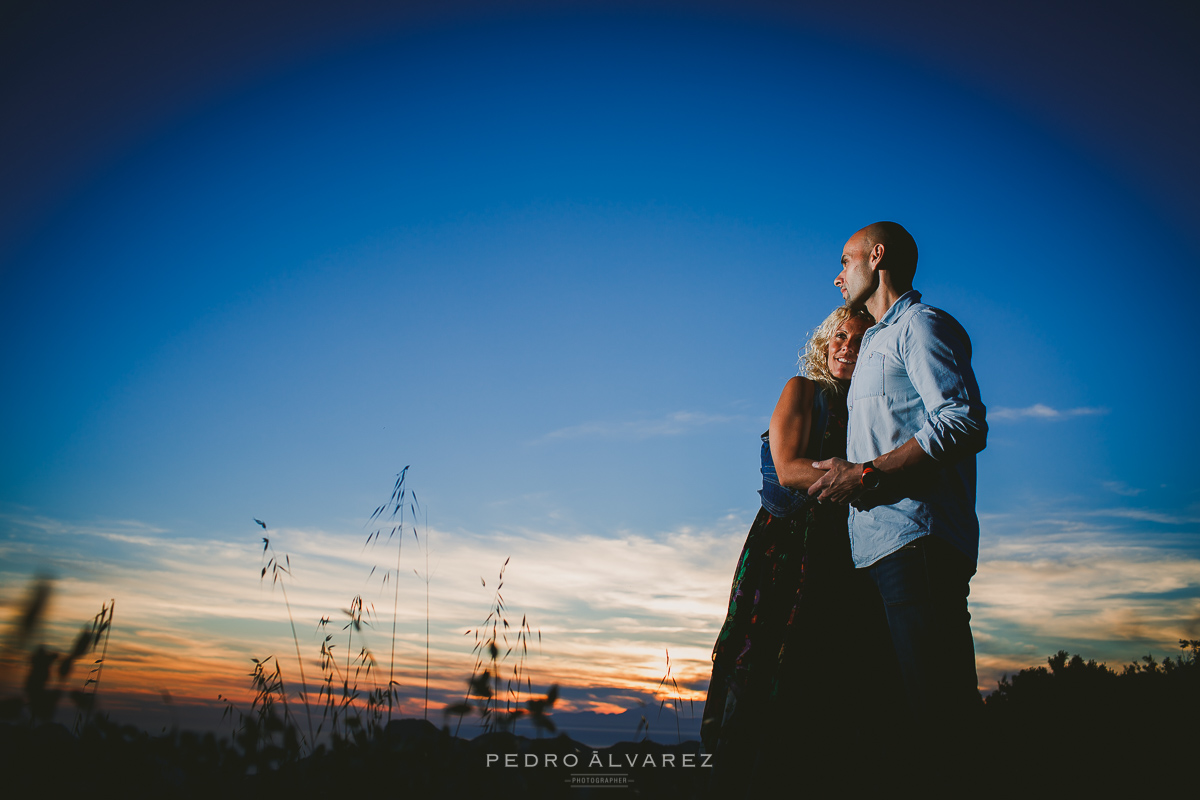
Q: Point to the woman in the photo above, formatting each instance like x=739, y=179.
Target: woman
x=794, y=601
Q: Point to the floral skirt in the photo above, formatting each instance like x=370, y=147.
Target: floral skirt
x=796, y=604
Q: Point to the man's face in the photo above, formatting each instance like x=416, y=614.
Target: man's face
x=856, y=280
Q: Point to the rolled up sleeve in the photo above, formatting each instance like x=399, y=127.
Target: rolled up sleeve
x=937, y=355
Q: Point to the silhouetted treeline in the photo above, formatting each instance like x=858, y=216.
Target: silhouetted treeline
x=1084, y=690
x=1079, y=726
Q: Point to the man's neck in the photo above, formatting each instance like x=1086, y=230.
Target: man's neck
x=883, y=299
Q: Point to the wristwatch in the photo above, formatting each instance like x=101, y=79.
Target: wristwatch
x=872, y=477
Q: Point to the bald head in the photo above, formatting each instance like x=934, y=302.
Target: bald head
x=899, y=251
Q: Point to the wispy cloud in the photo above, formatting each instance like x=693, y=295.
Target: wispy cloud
x=1144, y=515
x=1043, y=412
x=673, y=424
x=1076, y=590
x=192, y=611
x=1123, y=489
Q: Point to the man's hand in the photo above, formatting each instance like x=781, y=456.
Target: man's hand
x=840, y=483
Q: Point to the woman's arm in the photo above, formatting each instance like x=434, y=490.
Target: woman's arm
x=790, y=425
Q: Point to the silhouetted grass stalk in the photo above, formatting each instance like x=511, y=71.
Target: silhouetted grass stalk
x=277, y=570
x=105, y=626
x=484, y=683
x=394, y=506
x=676, y=699
x=101, y=626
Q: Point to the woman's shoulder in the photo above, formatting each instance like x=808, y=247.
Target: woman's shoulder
x=799, y=383
x=799, y=390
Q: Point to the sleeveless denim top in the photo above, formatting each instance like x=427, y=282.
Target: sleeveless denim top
x=826, y=439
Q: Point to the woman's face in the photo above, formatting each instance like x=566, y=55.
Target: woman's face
x=843, y=347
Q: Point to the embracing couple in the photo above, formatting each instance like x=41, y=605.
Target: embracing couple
x=849, y=604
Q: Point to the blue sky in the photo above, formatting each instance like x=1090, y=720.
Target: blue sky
x=562, y=264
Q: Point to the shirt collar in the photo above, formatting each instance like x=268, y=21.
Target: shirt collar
x=902, y=304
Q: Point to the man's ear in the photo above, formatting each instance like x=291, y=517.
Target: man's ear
x=876, y=255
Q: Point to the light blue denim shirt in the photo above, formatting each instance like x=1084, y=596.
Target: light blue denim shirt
x=914, y=380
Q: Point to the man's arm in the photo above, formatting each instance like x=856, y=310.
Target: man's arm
x=937, y=357
x=843, y=479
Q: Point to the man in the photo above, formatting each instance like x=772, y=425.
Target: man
x=916, y=423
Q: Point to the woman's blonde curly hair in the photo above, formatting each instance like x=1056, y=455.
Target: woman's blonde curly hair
x=814, y=361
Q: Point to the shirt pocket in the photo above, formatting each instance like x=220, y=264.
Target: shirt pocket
x=868, y=376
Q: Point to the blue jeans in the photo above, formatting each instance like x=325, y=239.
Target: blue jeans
x=924, y=586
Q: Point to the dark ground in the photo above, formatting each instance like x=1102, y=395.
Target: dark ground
x=1069, y=728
